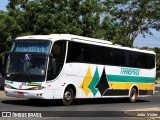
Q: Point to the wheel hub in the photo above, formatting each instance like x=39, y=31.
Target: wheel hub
x=67, y=96
x=133, y=96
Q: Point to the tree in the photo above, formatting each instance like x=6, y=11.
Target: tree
x=130, y=18
x=6, y=25
x=90, y=12
x=124, y=19
x=81, y=17
x=27, y=17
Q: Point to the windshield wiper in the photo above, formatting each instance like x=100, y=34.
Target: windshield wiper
x=26, y=69
x=29, y=76
x=13, y=73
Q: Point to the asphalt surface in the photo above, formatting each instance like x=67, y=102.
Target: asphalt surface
x=157, y=89
x=90, y=108
x=20, y=104
x=80, y=108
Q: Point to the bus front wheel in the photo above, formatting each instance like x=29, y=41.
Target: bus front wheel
x=133, y=95
x=68, y=96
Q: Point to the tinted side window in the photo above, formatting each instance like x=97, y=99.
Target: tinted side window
x=151, y=61
x=75, y=52
x=107, y=55
x=87, y=53
x=119, y=57
x=94, y=54
x=142, y=60
x=91, y=54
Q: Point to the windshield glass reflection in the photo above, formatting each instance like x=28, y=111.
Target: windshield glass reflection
x=26, y=67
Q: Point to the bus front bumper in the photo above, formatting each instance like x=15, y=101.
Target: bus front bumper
x=33, y=94
x=37, y=94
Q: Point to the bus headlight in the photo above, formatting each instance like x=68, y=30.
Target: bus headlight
x=37, y=88
x=8, y=86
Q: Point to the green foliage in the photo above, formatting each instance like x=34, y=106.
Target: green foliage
x=6, y=25
x=80, y=17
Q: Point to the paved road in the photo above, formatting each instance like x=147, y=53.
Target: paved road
x=79, y=105
x=157, y=89
x=96, y=105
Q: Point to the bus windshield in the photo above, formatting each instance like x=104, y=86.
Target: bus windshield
x=31, y=46
x=26, y=67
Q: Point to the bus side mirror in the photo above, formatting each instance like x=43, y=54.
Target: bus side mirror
x=4, y=61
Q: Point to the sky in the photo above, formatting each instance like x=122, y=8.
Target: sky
x=3, y=4
x=149, y=40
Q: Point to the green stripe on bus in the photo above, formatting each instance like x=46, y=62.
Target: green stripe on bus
x=36, y=82
x=120, y=78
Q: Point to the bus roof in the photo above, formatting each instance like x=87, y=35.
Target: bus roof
x=70, y=37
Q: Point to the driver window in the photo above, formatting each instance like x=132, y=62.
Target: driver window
x=57, y=59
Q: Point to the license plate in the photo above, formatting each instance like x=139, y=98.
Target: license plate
x=20, y=93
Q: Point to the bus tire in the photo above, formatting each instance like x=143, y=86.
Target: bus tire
x=133, y=95
x=68, y=96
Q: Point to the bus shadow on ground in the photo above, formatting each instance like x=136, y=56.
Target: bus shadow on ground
x=46, y=103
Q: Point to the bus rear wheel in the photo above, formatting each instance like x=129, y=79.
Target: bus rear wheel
x=133, y=95
x=68, y=96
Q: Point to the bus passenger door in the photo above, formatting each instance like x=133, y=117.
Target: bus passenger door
x=56, y=61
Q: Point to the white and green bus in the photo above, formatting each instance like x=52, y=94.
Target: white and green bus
x=68, y=67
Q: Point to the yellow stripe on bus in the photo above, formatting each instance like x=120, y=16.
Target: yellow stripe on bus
x=127, y=85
